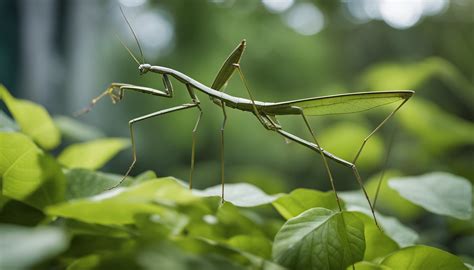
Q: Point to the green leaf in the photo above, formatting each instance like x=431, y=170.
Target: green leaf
x=368, y=266
x=414, y=75
x=300, y=200
x=437, y=129
x=28, y=174
x=377, y=243
x=320, y=239
x=120, y=205
x=440, y=193
x=23, y=247
x=33, y=120
x=85, y=183
x=240, y=194
x=256, y=245
x=74, y=130
x=423, y=257
x=92, y=155
x=356, y=201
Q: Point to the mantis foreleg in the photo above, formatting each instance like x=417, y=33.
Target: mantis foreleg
x=144, y=117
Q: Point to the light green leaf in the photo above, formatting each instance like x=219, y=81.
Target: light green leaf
x=120, y=205
x=240, y=194
x=300, y=200
x=440, y=193
x=92, y=155
x=414, y=75
x=377, y=243
x=423, y=257
x=74, y=130
x=23, y=247
x=344, y=139
x=33, y=120
x=320, y=239
x=28, y=174
x=436, y=129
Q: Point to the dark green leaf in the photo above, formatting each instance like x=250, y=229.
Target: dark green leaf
x=320, y=239
x=85, y=183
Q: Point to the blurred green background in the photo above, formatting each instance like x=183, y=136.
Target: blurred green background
x=63, y=53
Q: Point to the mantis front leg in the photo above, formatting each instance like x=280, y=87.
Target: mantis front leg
x=144, y=117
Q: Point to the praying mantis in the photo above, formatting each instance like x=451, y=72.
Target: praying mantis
x=265, y=112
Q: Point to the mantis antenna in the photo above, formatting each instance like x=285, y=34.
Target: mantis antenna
x=128, y=49
x=134, y=35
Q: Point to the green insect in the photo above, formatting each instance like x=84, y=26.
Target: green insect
x=265, y=112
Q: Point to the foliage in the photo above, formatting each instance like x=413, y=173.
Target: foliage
x=67, y=216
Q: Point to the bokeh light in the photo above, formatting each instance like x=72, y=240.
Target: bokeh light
x=277, y=6
x=305, y=18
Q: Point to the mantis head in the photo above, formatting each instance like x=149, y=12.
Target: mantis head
x=144, y=68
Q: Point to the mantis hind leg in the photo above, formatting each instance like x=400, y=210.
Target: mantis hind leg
x=132, y=138
x=325, y=155
x=354, y=170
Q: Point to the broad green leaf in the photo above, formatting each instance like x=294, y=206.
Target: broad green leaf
x=344, y=140
x=120, y=205
x=320, y=239
x=23, y=247
x=413, y=75
x=85, y=183
x=377, y=243
x=440, y=193
x=224, y=223
x=256, y=245
x=339, y=104
x=389, y=201
x=423, y=257
x=76, y=131
x=33, y=120
x=403, y=235
x=143, y=177
x=437, y=130
x=300, y=200
x=28, y=174
x=92, y=155
x=241, y=194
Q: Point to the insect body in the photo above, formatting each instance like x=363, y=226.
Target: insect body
x=265, y=112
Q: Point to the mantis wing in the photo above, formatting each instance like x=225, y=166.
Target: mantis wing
x=228, y=68
x=338, y=104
